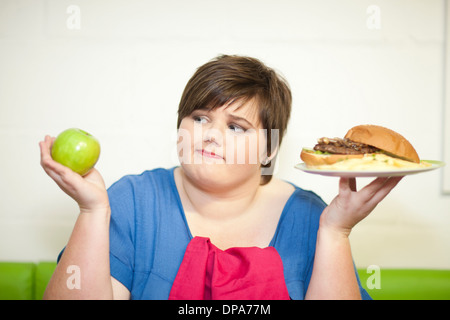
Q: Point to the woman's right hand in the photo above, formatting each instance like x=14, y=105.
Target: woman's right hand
x=88, y=191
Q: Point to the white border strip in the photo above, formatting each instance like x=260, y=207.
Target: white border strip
x=446, y=120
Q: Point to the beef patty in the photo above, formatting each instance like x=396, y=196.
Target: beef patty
x=343, y=146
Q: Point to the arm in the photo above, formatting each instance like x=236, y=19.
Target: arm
x=333, y=275
x=88, y=251
x=86, y=257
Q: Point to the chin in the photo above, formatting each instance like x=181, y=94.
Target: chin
x=219, y=176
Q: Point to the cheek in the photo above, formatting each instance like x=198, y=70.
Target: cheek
x=185, y=137
x=243, y=149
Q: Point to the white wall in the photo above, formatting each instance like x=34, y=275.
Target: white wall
x=121, y=74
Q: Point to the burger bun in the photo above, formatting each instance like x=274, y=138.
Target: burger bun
x=384, y=139
x=311, y=158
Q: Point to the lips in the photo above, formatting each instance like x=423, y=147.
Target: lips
x=209, y=154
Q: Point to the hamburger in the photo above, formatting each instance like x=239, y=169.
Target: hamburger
x=364, y=147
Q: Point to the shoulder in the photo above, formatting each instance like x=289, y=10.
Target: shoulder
x=304, y=202
x=151, y=178
x=140, y=192
x=299, y=223
x=296, y=194
x=308, y=196
x=139, y=202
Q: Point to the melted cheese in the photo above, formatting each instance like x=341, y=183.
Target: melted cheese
x=373, y=162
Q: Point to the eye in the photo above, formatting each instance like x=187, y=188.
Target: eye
x=235, y=128
x=200, y=119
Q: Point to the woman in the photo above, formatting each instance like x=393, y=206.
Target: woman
x=219, y=226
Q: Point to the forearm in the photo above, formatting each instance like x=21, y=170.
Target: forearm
x=333, y=275
x=83, y=271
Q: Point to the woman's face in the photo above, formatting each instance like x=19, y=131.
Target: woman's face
x=223, y=147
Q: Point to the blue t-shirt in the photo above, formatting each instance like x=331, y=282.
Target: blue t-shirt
x=149, y=235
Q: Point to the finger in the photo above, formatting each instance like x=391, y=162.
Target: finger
x=372, y=188
x=347, y=185
x=46, y=159
x=45, y=147
x=386, y=189
x=62, y=175
x=352, y=184
x=94, y=177
x=45, y=154
x=69, y=181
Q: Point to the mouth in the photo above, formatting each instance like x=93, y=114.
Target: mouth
x=208, y=154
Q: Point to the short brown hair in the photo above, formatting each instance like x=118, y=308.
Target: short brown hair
x=229, y=78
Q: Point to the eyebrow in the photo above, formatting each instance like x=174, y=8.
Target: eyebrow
x=232, y=116
x=236, y=118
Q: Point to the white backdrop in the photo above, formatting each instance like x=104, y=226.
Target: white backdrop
x=117, y=69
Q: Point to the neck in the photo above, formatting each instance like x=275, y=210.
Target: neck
x=220, y=203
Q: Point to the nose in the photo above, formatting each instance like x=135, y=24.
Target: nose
x=213, y=135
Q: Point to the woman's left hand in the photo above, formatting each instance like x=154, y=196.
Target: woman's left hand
x=351, y=206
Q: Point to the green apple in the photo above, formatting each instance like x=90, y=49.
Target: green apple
x=76, y=149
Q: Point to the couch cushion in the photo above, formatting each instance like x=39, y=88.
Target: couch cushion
x=408, y=284
x=44, y=271
x=16, y=281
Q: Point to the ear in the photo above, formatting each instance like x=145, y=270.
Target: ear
x=265, y=161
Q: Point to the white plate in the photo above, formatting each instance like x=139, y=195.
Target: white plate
x=382, y=173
